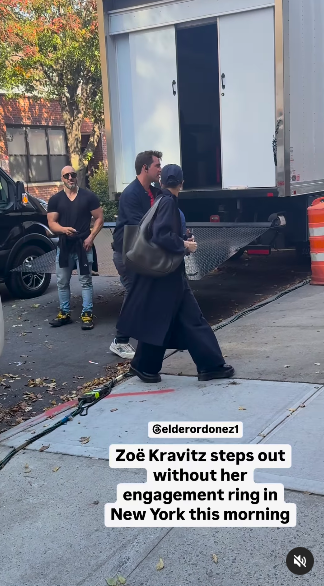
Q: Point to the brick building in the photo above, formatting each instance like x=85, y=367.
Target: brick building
x=33, y=146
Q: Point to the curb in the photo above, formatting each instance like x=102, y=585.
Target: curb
x=58, y=409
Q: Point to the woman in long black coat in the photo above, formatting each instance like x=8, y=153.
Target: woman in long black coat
x=162, y=312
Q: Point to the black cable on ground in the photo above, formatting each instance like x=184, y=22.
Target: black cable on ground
x=86, y=401
x=259, y=305
x=93, y=397
x=249, y=310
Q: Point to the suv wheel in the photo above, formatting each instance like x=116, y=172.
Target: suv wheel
x=27, y=285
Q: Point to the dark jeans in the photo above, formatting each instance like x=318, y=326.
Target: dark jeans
x=126, y=279
x=197, y=335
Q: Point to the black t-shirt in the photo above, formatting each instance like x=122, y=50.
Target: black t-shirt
x=77, y=213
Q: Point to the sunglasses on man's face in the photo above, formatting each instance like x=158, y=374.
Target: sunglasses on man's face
x=67, y=175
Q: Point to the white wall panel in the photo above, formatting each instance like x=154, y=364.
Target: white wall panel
x=155, y=108
x=166, y=13
x=246, y=53
x=306, y=61
x=125, y=113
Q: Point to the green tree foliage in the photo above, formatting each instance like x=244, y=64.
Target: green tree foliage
x=51, y=50
x=99, y=185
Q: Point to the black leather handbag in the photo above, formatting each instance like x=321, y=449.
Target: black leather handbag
x=144, y=257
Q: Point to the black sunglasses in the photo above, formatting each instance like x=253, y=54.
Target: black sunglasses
x=72, y=175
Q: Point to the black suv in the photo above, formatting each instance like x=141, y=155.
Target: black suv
x=24, y=235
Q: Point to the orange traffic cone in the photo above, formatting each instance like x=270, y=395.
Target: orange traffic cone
x=316, y=239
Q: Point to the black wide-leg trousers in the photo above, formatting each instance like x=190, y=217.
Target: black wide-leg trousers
x=195, y=334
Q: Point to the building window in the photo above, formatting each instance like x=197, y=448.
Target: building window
x=36, y=154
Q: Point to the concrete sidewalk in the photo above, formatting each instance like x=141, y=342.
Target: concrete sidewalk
x=53, y=501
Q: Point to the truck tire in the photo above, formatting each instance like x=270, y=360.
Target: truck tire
x=27, y=285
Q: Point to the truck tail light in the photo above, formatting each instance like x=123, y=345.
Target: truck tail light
x=259, y=250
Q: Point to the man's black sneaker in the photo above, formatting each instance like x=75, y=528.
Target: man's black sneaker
x=86, y=320
x=61, y=319
x=144, y=376
x=225, y=371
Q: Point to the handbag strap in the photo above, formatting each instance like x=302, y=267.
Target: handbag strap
x=146, y=222
x=150, y=215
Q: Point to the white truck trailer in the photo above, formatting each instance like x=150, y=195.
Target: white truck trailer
x=233, y=90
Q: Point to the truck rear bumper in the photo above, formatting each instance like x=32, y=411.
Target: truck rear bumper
x=217, y=242
x=216, y=193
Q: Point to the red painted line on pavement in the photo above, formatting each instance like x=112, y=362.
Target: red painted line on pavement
x=59, y=408
x=141, y=393
x=69, y=404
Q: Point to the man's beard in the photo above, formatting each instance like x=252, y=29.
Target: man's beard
x=72, y=187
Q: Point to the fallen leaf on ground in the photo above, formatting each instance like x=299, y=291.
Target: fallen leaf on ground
x=160, y=565
x=56, y=469
x=111, y=581
x=51, y=386
x=84, y=440
x=242, y=409
x=215, y=558
x=121, y=580
x=35, y=382
x=43, y=448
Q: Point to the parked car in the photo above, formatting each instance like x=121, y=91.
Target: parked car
x=24, y=235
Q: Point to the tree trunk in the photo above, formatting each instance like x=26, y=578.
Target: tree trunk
x=72, y=123
x=82, y=176
x=92, y=144
x=79, y=160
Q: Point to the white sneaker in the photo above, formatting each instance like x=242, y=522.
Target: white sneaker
x=123, y=350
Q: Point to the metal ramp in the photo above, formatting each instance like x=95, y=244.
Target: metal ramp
x=217, y=242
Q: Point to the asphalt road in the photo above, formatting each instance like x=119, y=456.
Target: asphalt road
x=62, y=360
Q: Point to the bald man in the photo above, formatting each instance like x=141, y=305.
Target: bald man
x=69, y=215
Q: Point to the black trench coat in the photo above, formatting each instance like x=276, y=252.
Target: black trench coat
x=150, y=309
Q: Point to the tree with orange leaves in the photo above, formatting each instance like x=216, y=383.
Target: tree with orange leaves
x=51, y=50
